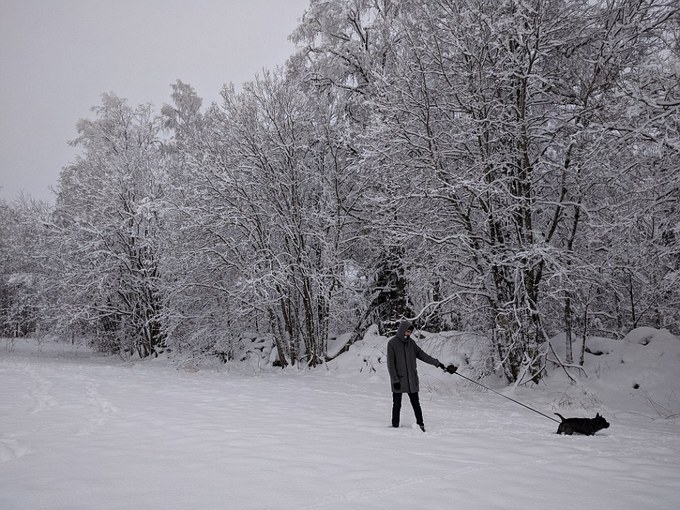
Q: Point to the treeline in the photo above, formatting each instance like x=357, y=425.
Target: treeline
x=506, y=167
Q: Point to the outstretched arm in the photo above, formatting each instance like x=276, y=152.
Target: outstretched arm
x=423, y=356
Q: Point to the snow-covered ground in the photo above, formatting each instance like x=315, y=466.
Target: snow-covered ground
x=82, y=431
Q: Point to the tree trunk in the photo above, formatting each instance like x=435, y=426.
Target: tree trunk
x=568, y=328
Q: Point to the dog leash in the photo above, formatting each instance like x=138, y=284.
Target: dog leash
x=505, y=396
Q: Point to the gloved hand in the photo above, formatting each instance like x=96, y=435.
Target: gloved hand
x=441, y=365
x=396, y=386
x=451, y=369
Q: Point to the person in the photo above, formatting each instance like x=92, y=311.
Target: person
x=402, y=352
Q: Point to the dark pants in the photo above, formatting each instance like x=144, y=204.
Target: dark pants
x=396, y=408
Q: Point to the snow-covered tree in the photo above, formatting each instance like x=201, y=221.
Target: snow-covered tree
x=108, y=221
x=265, y=213
x=345, y=48
x=24, y=296
x=503, y=166
x=504, y=136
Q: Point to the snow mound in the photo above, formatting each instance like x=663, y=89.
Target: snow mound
x=639, y=373
x=369, y=355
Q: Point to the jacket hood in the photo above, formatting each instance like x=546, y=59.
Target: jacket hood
x=403, y=327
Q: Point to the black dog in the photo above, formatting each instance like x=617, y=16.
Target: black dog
x=586, y=426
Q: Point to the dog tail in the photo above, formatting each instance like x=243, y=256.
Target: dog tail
x=561, y=417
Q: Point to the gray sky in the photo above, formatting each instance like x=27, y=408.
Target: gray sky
x=57, y=57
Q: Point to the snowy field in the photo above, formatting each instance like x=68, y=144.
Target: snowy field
x=83, y=431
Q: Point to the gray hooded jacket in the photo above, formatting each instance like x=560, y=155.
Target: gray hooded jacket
x=402, y=353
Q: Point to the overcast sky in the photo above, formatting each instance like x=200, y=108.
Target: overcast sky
x=57, y=57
